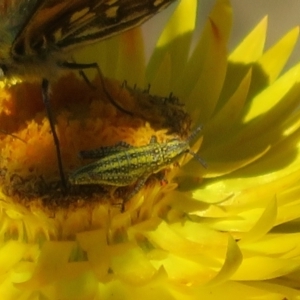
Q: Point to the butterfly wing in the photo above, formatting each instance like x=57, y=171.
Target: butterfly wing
x=57, y=24
x=14, y=14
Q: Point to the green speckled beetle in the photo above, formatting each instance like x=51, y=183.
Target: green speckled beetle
x=123, y=164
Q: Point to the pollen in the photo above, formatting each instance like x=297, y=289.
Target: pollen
x=86, y=119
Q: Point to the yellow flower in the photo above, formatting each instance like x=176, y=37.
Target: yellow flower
x=229, y=231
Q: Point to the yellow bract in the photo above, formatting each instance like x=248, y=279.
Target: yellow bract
x=230, y=231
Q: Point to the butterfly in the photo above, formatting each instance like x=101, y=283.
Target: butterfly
x=37, y=37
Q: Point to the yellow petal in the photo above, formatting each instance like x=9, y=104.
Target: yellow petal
x=273, y=61
x=263, y=225
x=232, y=262
x=174, y=42
x=252, y=46
x=270, y=96
x=203, y=79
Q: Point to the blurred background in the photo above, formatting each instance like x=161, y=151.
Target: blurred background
x=282, y=17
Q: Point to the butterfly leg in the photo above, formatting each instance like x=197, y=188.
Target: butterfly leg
x=12, y=135
x=76, y=66
x=86, y=79
x=46, y=100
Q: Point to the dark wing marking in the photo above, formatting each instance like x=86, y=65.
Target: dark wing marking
x=105, y=20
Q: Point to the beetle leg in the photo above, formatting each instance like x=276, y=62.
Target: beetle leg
x=140, y=183
x=161, y=177
x=153, y=139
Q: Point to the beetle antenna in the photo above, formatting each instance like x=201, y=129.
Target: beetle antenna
x=199, y=159
x=194, y=133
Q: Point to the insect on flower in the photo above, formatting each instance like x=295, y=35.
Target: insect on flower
x=123, y=164
x=37, y=36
